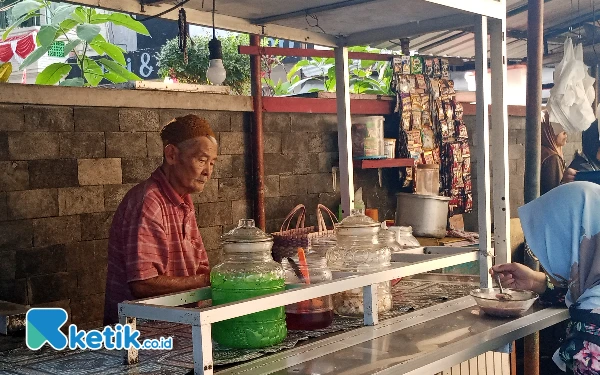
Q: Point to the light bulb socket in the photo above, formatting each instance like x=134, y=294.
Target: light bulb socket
x=214, y=49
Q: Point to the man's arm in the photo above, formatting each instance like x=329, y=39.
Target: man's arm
x=160, y=285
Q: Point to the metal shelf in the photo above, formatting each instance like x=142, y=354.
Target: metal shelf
x=166, y=308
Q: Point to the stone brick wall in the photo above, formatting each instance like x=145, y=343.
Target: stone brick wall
x=65, y=169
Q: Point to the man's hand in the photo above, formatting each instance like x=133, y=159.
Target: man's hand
x=569, y=175
x=519, y=276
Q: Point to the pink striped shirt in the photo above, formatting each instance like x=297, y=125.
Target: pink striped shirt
x=154, y=232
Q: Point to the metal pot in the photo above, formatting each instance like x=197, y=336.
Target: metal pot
x=426, y=214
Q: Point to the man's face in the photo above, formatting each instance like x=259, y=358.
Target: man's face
x=192, y=163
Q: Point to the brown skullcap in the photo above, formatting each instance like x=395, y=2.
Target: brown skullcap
x=187, y=127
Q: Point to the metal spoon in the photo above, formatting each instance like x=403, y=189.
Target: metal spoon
x=502, y=296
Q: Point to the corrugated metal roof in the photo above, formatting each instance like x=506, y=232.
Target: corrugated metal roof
x=562, y=18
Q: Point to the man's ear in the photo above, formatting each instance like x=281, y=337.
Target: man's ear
x=171, y=153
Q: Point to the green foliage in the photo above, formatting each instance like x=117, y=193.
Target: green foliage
x=366, y=77
x=171, y=62
x=86, y=22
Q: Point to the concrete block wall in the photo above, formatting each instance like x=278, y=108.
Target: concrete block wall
x=516, y=156
x=65, y=169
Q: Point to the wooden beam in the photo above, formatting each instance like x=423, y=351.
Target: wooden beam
x=204, y=18
x=319, y=105
x=303, y=52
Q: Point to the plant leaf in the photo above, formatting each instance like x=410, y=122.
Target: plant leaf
x=92, y=71
x=80, y=15
x=71, y=46
x=33, y=57
x=19, y=21
x=128, y=22
x=76, y=82
x=87, y=31
x=27, y=6
x=115, y=52
x=47, y=35
x=296, y=67
x=119, y=69
x=53, y=73
x=63, y=12
x=114, y=78
x=99, y=18
x=66, y=26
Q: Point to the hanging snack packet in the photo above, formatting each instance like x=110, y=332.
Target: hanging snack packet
x=405, y=64
x=466, y=151
x=397, y=64
x=469, y=203
x=462, y=131
x=416, y=65
x=466, y=165
x=428, y=157
x=444, y=129
x=429, y=67
x=458, y=112
x=451, y=91
x=435, y=88
x=406, y=120
x=417, y=119
x=428, y=139
x=457, y=154
x=437, y=69
x=468, y=184
x=421, y=82
x=445, y=68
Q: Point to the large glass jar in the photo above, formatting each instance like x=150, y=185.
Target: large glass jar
x=358, y=250
x=247, y=271
x=315, y=313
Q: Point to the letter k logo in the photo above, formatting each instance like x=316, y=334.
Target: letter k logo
x=43, y=326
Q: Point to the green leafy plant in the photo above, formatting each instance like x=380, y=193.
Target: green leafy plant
x=366, y=76
x=171, y=62
x=86, y=24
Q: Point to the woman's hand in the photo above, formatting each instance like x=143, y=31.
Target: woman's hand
x=569, y=175
x=519, y=276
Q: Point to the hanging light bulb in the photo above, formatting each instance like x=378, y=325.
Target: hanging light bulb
x=216, y=71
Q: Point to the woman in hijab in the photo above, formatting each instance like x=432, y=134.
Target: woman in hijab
x=589, y=158
x=553, y=164
x=567, y=244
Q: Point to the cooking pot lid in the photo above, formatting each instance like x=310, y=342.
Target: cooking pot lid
x=245, y=232
x=424, y=196
x=358, y=220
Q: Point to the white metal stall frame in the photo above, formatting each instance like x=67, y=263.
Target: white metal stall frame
x=339, y=24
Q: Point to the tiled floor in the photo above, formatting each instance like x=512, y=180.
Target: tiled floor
x=408, y=295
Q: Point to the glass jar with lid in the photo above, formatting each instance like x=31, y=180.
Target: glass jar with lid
x=358, y=250
x=388, y=238
x=247, y=271
x=404, y=237
x=315, y=313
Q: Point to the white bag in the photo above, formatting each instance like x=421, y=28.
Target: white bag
x=571, y=98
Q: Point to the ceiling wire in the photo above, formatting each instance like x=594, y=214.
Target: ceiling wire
x=316, y=25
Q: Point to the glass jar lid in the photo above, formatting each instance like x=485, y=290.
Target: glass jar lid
x=358, y=220
x=246, y=232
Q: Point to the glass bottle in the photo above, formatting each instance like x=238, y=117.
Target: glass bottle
x=315, y=313
x=358, y=250
x=247, y=271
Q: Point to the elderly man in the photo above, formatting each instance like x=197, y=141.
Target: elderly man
x=154, y=246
